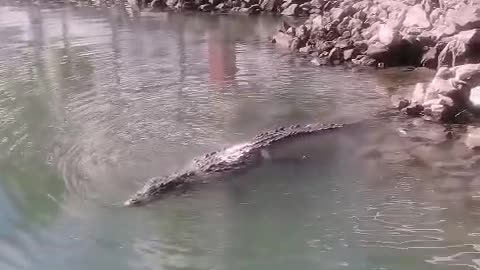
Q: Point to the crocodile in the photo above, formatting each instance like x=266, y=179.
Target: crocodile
x=230, y=160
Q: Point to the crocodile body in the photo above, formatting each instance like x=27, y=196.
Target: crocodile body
x=221, y=163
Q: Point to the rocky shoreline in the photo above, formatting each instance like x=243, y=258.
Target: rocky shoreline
x=383, y=33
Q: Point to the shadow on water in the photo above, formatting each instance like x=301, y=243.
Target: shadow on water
x=94, y=101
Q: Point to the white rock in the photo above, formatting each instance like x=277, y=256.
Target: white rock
x=475, y=96
x=416, y=17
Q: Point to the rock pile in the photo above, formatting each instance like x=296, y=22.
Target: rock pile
x=383, y=33
x=453, y=96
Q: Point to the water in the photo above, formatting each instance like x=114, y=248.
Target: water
x=94, y=101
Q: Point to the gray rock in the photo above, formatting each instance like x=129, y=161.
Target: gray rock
x=388, y=36
x=364, y=60
x=317, y=23
x=340, y=13
x=316, y=61
x=171, y=3
x=377, y=51
x=292, y=10
x=283, y=40
x=206, y=7
x=254, y=9
x=334, y=55
x=416, y=17
x=465, y=72
x=468, y=17
x=469, y=37
x=349, y=54
x=317, y=3
x=220, y=6
x=286, y=4
x=158, y=4
x=269, y=5
x=453, y=54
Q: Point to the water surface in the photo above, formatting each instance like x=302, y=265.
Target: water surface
x=94, y=101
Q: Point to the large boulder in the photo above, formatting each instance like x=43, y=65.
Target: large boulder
x=468, y=17
x=469, y=37
x=416, y=17
x=388, y=36
x=291, y=10
x=269, y=5
x=377, y=51
x=453, y=54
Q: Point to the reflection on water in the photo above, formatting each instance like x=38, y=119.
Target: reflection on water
x=94, y=101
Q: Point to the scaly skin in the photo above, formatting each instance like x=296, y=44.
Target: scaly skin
x=224, y=162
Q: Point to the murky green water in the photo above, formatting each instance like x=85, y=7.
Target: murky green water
x=93, y=102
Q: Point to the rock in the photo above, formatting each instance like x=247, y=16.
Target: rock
x=399, y=102
x=286, y=4
x=416, y=17
x=206, y=7
x=414, y=110
x=442, y=31
x=269, y=5
x=335, y=55
x=305, y=50
x=349, y=54
x=317, y=23
x=282, y=39
x=319, y=61
x=246, y=3
x=364, y=60
x=337, y=13
x=453, y=54
x=344, y=44
x=301, y=32
x=254, y=9
x=171, y=3
x=158, y=4
x=324, y=46
x=466, y=72
x=292, y=10
x=469, y=37
x=467, y=17
x=474, y=98
x=429, y=59
x=360, y=15
x=317, y=3
x=377, y=51
x=387, y=36
x=220, y=6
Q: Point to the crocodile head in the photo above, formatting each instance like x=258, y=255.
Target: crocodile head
x=156, y=187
